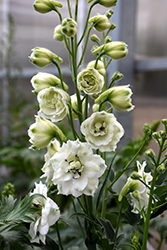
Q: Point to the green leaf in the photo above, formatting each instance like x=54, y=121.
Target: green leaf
x=50, y=244
x=108, y=228
x=6, y=206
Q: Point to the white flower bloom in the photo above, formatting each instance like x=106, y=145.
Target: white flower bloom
x=139, y=192
x=47, y=216
x=53, y=103
x=90, y=81
x=42, y=132
x=53, y=147
x=76, y=169
x=102, y=131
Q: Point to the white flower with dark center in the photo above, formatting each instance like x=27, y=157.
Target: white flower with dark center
x=47, y=215
x=53, y=103
x=102, y=131
x=77, y=169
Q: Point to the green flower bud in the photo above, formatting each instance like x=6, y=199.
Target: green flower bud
x=150, y=153
x=42, y=132
x=69, y=27
x=58, y=34
x=108, y=39
x=162, y=133
x=130, y=186
x=44, y=80
x=95, y=107
x=41, y=57
x=116, y=76
x=109, y=13
x=115, y=50
x=95, y=38
x=161, y=168
x=119, y=97
x=112, y=26
x=147, y=129
x=44, y=6
x=99, y=67
x=155, y=135
x=164, y=122
x=108, y=3
x=100, y=22
x=135, y=176
x=8, y=190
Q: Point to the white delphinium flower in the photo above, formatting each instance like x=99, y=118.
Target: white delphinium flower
x=53, y=103
x=139, y=192
x=52, y=148
x=42, y=132
x=48, y=214
x=90, y=81
x=102, y=131
x=77, y=169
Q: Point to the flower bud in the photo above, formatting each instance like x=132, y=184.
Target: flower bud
x=108, y=39
x=116, y=76
x=100, y=22
x=162, y=133
x=147, y=129
x=155, y=135
x=42, y=132
x=135, y=175
x=58, y=34
x=161, y=168
x=44, y=6
x=69, y=27
x=130, y=186
x=115, y=50
x=136, y=195
x=95, y=38
x=41, y=57
x=150, y=153
x=44, y=80
x=109, y=13
x=119, y=97
x=108, y=3
x=99, y=67
x=95, y=107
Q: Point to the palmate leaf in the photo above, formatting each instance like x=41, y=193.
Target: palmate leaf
x=6, y=206
x=13, y=237
x=22, y=209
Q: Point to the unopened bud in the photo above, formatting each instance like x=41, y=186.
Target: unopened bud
x=155, y=135
x=99, y=66
x=44, y=6
x=161, y=168
x=109, y=13
x=108, y=39
x=116, y=76
x=57, y=33
x=69, y=27
x=135, y=176
x=136, y=195
x=100, y=22
x=162, y=133
x=95, y=107
x=150, y=153
x=95, y=38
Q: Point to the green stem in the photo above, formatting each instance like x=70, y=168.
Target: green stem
x=117, y=227
x=149, y=209
x=69, y=8
x=127, y=166
x=160, y=244
x=78, y=220
x=58, y=235
x=60, y=75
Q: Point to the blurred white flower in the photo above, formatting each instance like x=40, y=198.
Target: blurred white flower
x=102, y=131
x=48, y=214
x=76, y=169
x=53, y=103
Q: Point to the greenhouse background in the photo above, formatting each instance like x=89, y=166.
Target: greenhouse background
x=141, y=24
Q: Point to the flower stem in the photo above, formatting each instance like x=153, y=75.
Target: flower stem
x=118, y=222
x=58, y=235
